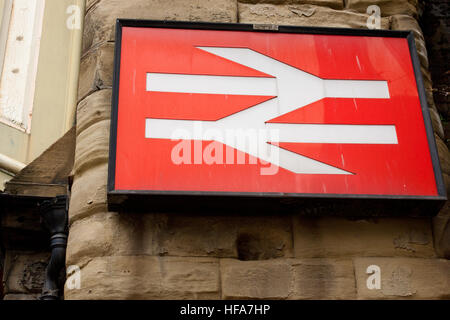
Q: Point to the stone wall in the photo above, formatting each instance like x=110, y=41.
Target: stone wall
x=126, y=255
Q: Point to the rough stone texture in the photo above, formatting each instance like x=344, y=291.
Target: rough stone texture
x=323, y=279
x=100, y=19
x=444, y=155
x=89, y=192
x=256, y=279
x=90, y=3
x=441, y=231
x=95, y=108
x=288, y=279
x=437, y=124
x=92, y=146
x=335, y=4
x=178, y=235
x=243, y=237
x=404, y=278
x=91, y=237
x=339, y=237
x=423, y=55
x=24, y=272
x=387, y=7
x=406, y=23
x=96, y=70
x=304, y=15
x=146, y=277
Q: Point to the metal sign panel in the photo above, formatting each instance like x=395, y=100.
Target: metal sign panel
x=229, y=110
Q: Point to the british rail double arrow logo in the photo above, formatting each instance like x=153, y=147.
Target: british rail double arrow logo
x=292, y=89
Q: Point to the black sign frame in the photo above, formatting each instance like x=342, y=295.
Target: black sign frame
x=252, y=202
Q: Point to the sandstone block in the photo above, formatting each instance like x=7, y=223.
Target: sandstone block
x=100, y=19
x=447, y=183
x=96, y=70
x=387, y=7
x=422, y=52
x=323, y=279
x=92, y=146
x=147, y=277
x=340, y=237
x=406, y=23
x=436, y=122
x=134, y=234
x=91, y=237
x=250, y=238
x=430, y=102
x=270, y=279
x=94, y=108
x=89, y=192
x=90, y=3
x=404, y=278
x=304, y=15
x=441, y=231
x=444, y=155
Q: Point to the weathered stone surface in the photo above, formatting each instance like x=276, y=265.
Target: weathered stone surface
x=339, y=237
x=436, y=122
x=441, y=231
x=135, y=234
x=25, y=272
x=90, y=3
x=387, y=7
x=94, y=108
x=323, y=279
x=426, y=76
x=100, y=19
x=92, y=146
x=91, y=237
x=404, y=278
x=173, y=234
x=147, y=277
x=406, y=23
x=444, y=155
x=270, y=279
x=196, y=235
x=249, y=238
x=96, y=70
x=430, y=100
x=447, y=183
x=288, y=279
x=335, y=4
x=89, y=193
x=306, y=15
x=422, y=52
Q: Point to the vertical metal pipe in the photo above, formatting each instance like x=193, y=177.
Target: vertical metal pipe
x=54, y=218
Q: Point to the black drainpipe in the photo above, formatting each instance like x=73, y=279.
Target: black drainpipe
x=54, y=218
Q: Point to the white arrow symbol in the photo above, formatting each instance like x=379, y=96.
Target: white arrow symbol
x=293, y=88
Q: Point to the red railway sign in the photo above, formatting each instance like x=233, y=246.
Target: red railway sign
x=224, y=110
